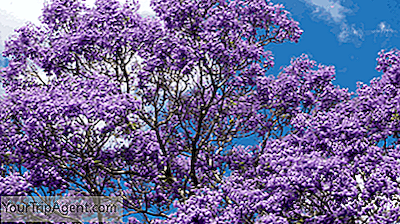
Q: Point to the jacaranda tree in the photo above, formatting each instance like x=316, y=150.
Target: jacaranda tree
x=103, y=102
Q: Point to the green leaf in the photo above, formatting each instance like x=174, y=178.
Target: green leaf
x=395, y=117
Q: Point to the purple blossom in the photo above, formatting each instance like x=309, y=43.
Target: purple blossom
x=103, y=102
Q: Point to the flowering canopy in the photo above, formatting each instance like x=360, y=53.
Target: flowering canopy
x=103, y=102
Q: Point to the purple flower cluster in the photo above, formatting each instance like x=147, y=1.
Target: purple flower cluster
x=15, y=185
x=103, y=102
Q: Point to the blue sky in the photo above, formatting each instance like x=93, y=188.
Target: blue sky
x=345, y=33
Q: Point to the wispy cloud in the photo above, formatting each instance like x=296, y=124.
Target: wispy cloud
x=351, y=34
x=334, y=13
x=384, y=29
x=328, y=10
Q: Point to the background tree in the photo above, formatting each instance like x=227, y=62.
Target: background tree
x=100, y=101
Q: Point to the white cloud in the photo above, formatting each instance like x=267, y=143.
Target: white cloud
x=334, y=13
x=144, y=10
x=30, y=10
x=384, y=29
x=8, y=22
x=15, y=13
x=26, y=10
x=351, y=34
x=329, y=10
